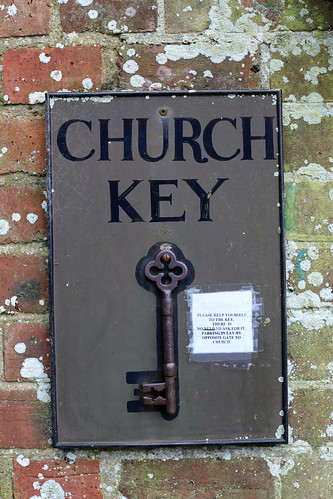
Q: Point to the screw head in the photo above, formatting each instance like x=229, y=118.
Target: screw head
x=166, y=257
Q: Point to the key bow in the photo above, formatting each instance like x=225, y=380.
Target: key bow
x=166, y=261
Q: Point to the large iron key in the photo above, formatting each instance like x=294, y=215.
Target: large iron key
x=165, y=271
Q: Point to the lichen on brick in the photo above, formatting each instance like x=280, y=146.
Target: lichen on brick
x=188, y=45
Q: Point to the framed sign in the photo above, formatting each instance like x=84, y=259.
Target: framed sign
x=166, y=268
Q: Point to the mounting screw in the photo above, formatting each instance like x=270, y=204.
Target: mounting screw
x=163, y=111
x=166, y=257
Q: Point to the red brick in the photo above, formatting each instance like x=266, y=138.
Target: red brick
x=24, y=69
x=77, y=480
x=186, y=74
x=205, y=478
x=125, y=16
x=26, y=203
x=29, y=17
x=22, y=144
x=23, y=277
x=35, y=337
x=24, y=420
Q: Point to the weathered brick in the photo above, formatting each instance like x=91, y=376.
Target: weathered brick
x=271, y=11
x=205, y=478
x=6, y=471
x=306, y=16
x=24, y=341
x=185, y=17
x=30, y=72
x=24, y=420
x=308, y=211
x=149, y=68
x=244, y=15
x=310, y=415
x=22, y=144
x=57, y=478
x=310, y=352
x=310, y=270
x=291, y=14
x=22, y=217
x=21, y=18
x=109, y=16
x=23, y=283
x=309, y=478
x=298, y=146
x=301, y=66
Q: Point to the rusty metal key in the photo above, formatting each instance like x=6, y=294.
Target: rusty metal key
x=166, y=272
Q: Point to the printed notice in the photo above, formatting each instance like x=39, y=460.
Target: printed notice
x=222, y=322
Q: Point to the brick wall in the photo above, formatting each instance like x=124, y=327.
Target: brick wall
x=78, y=45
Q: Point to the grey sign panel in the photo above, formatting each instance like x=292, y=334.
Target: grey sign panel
x=166, y=268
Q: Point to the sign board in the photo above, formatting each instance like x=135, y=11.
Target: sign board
x=166, y=268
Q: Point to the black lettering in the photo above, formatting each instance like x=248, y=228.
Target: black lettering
x=204, y=196
x=155, y=200
x=62, y=141
x=143, y=139
x=268, y=137
x=117, y=200
x=180, y=140
x=126, y=139
x=208, y=140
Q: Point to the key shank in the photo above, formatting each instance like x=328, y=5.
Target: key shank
x=169, y=365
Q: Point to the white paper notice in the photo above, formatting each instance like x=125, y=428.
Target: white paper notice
x=222, y=322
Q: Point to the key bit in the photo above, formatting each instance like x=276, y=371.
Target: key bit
x=153, y=394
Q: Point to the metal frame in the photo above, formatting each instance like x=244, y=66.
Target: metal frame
x=129, y=94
